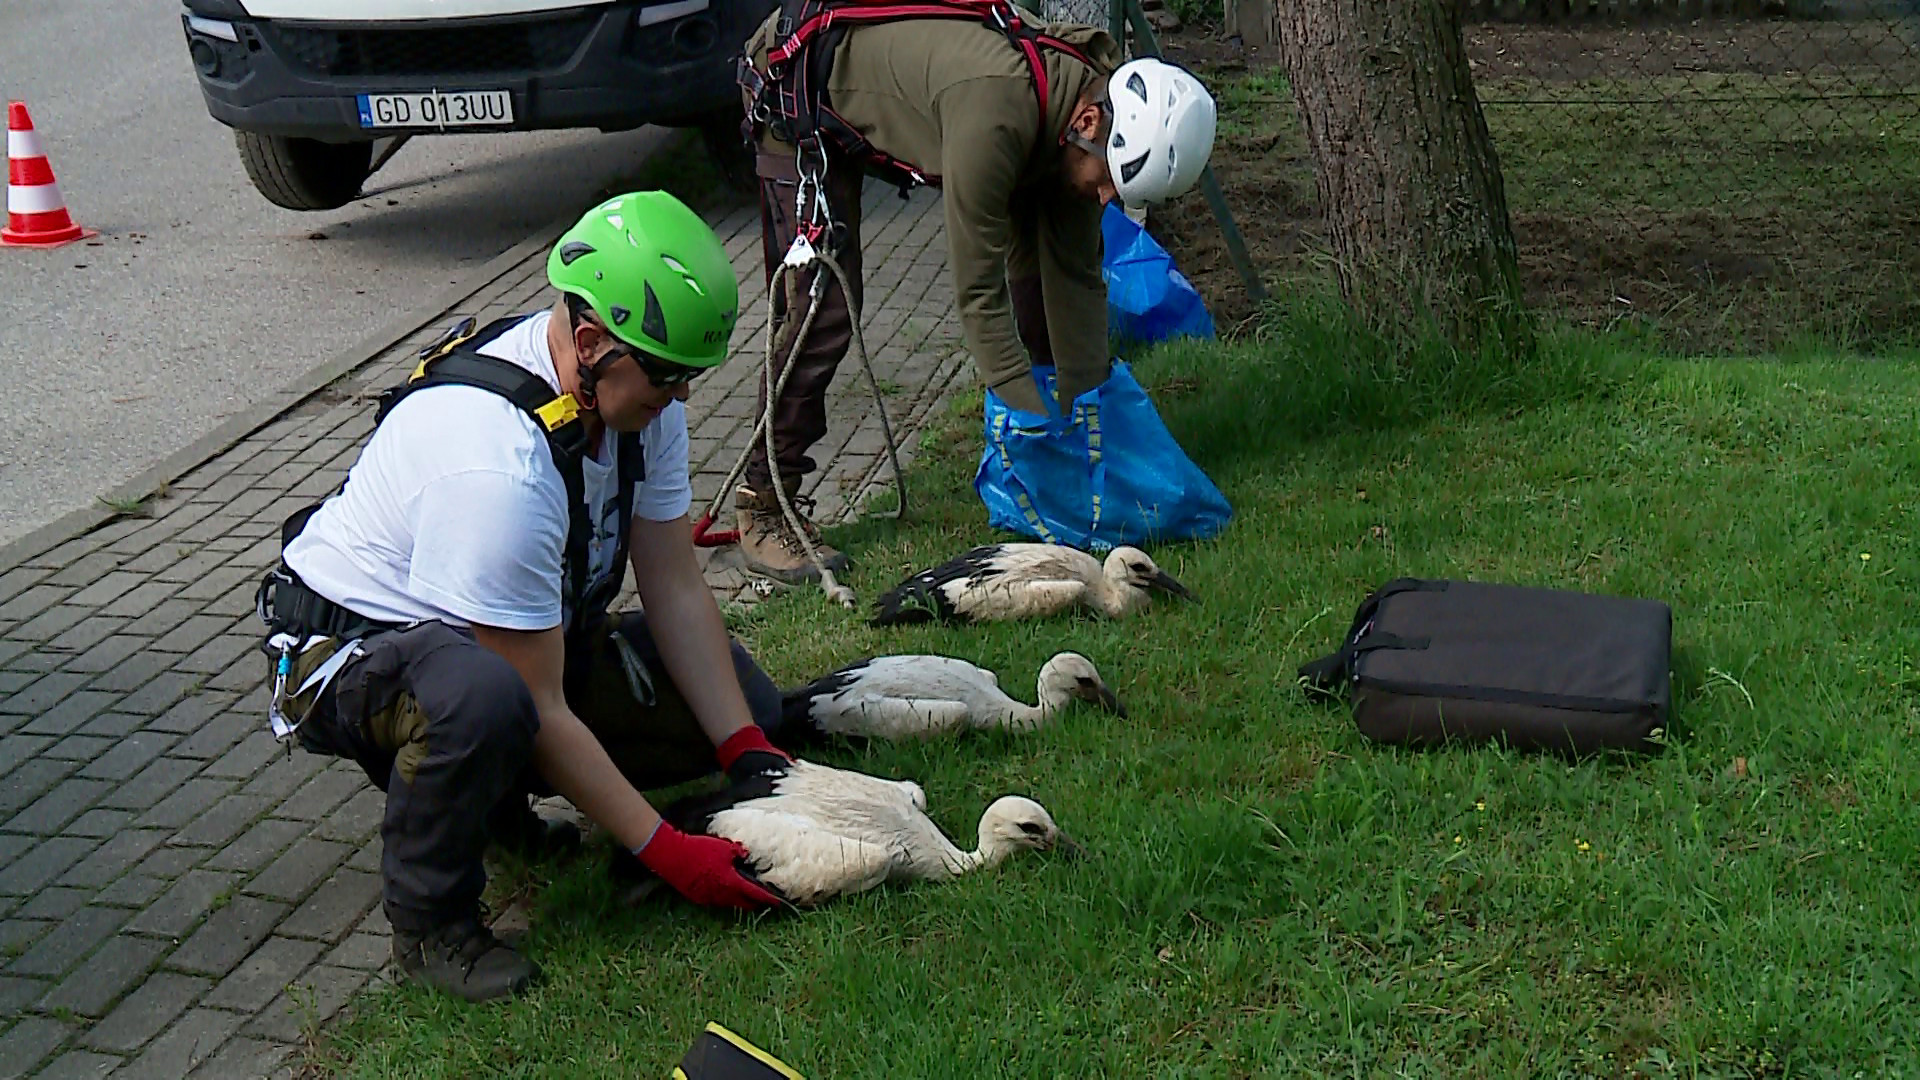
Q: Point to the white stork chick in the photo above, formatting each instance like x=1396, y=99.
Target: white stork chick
x=827, y=832
x=895, y=697
x=1014, y=581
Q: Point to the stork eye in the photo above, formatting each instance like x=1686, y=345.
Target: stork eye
x=1032, y=829
x=1083, y=680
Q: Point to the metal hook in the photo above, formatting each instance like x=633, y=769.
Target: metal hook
x=811, y=209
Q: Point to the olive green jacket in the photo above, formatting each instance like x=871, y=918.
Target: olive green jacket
x=956, y=99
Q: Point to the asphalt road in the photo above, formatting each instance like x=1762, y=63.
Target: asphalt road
x=201, y=297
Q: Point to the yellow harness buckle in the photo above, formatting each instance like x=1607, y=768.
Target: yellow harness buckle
x=559, y=412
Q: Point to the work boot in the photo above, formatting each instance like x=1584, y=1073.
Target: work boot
x=771, y=547
x=515, y=826
x=464, y=959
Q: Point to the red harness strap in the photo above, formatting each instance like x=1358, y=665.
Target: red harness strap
x=793, y=95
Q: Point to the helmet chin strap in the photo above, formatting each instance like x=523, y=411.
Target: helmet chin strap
x=584, y=393
x=589, y=376
x=1073, y=137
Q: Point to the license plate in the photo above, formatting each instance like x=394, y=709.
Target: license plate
x=440, y=109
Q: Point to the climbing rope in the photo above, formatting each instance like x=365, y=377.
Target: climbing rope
x=800, y=257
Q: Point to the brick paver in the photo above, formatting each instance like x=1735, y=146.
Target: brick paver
x=179, y=895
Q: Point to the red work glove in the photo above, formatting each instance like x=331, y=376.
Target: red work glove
x=701, y=868
x=747, y=755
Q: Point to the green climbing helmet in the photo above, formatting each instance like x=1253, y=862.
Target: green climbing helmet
x=655, y=274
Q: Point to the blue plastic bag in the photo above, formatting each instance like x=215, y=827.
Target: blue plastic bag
x=1148, y=300
x=1106, y=474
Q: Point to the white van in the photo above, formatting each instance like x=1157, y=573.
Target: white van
x=310, y=86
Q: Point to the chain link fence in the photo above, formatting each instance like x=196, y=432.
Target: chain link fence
x=1755, y=161
x=1089, y=12
x=1733, y=174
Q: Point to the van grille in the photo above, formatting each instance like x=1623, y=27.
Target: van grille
x=539, y=44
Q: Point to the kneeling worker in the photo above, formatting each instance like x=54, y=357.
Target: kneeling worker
x=442, y=618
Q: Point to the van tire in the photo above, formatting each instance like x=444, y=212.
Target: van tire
x=304, y=174
x=720, y=133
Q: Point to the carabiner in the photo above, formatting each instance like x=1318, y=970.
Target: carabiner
x=276, y=716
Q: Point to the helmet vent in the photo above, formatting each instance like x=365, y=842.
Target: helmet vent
x=1137, y=86
x=680, y=268
x=653, y=322
x=573, y=250
x=620, y=315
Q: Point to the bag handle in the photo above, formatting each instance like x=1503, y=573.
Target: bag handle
x=1096, y=461
x=1334, y=670
x=997, y=432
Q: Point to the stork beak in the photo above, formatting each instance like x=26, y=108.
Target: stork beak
x=1101, y=696
x=1067, y=847
x=1165, y=582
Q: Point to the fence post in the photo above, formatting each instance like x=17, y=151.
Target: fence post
x=1149, y=45
x=1251, y=21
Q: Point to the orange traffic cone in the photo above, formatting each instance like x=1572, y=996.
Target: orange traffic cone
x=36, y=216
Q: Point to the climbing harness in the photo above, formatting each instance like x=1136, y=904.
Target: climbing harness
x=814, y=225
x=791, y=97
x=639, y=680
x=297, y=618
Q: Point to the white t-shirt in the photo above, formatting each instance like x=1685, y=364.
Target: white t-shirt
x=455, y=510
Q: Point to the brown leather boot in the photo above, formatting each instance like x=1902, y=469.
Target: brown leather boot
x=770, y=546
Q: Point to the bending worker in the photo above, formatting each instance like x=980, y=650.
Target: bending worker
x=442, y=618
x=1027, y=130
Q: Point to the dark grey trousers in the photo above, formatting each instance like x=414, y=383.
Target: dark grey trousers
x=446, y=728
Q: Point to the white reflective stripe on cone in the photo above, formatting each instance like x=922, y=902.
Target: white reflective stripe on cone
x=24, y=144
x=39, y=199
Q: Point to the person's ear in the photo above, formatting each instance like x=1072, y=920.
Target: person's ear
x=587, y=338
x=1086, y=120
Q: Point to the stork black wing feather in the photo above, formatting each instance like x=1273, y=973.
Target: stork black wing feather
x=797, y=725
x=695, y=813
x=921, y=599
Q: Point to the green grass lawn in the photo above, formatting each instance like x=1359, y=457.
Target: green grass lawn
x=1267, y=894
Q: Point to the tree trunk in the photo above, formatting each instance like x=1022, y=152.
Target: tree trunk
x=1409, y=183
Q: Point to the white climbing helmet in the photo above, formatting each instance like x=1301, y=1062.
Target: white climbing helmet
x=1162, y=131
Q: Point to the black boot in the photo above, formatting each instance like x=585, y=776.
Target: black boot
x=513, y=825
x=464, y=959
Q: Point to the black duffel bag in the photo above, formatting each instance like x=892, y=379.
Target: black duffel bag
x=1429, y=661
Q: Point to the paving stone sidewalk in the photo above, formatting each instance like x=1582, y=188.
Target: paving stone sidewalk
x=179, y=894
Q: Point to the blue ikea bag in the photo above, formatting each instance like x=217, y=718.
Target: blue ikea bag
x=1108, y=473
x=1148, y=300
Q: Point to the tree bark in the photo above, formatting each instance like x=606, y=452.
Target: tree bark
x=1415, y=208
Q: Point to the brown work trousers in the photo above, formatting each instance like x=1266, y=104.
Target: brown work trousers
x=800, y=419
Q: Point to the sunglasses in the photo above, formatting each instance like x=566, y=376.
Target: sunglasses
x=662, y=373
